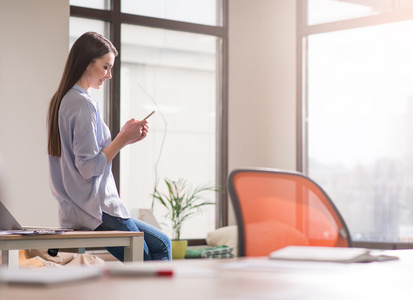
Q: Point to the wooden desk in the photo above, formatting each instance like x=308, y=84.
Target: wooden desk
x=246, y=279
x=132, y=241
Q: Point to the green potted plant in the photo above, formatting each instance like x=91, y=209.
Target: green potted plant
x=182, y=202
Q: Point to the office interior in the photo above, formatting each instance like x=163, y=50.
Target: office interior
x=263, y=87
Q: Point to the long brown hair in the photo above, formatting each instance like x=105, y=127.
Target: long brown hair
x=85, y=50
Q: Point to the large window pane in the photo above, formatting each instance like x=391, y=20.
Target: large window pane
x=404, y=4
x=360, y=128
x=175, y=74
x=200, y=11
x=324, y=11
x=79, y=26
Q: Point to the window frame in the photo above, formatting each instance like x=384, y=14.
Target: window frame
x=115, y=18
x=303, y=32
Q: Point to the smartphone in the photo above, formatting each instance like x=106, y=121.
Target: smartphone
x=149, y=115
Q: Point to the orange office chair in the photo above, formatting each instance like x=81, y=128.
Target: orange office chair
x=277, y=208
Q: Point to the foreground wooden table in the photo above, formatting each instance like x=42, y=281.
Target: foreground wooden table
x=241, y=279
x=132, y=241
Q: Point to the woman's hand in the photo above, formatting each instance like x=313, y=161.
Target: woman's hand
x=134, y=131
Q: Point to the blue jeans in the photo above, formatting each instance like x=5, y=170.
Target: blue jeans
x=157, y=245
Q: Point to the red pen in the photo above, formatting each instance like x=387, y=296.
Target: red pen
x=140, y=272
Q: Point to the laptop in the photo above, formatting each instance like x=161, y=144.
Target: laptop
x=9, y=225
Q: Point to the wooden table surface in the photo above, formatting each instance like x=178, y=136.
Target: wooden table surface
x=132, y=241
x=252, y=278
x=71, y=234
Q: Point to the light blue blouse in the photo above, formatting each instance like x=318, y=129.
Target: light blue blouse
x=81, y=180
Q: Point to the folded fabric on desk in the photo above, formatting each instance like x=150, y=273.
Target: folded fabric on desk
x=214, y=252
x=40, y=258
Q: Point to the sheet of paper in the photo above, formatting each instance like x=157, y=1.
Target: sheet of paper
x=49, y=276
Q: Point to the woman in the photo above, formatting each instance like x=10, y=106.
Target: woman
x=81, y=150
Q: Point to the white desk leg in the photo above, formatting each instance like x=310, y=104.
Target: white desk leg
x=10, y=258
x=135, y=251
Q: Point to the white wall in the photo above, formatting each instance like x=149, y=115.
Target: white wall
x=262, y=90
x=262, y=84
x=33, y=49
x=34, y=45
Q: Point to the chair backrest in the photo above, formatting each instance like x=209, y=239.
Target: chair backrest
x=277, y=208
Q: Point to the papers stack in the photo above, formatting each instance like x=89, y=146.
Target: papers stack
x=329, y=254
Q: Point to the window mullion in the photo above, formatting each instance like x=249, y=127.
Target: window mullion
x=114, y=125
